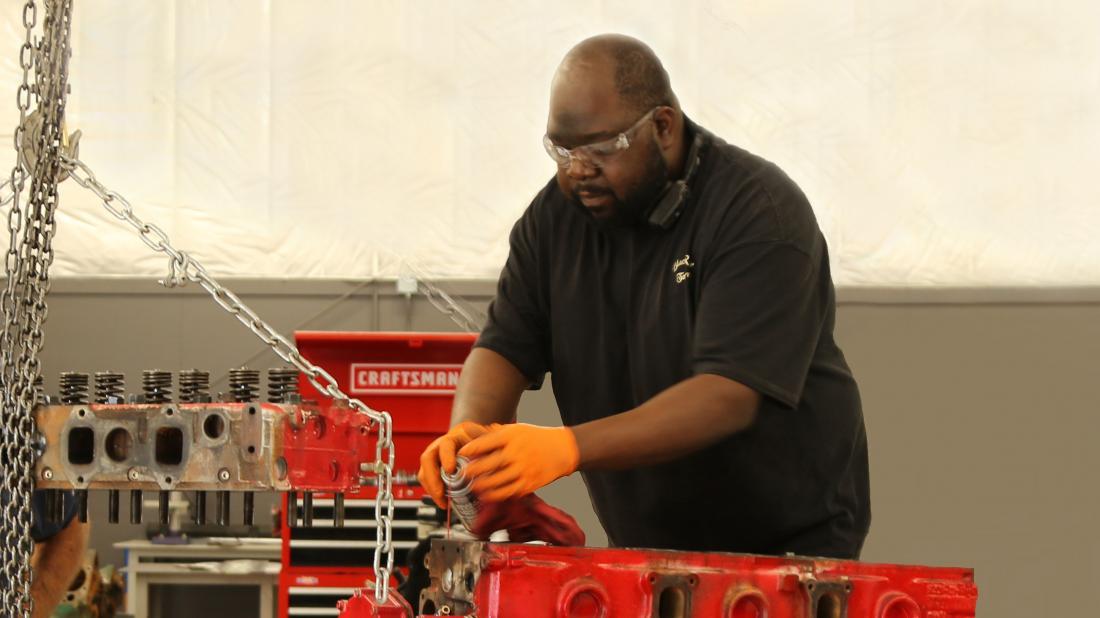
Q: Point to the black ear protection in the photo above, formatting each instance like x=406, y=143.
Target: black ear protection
x=674, y=196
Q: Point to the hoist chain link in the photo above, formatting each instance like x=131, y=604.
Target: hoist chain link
x=31, y=227
x=183, y=268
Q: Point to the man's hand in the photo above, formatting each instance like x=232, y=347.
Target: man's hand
x=441, y=454
x=510, y=461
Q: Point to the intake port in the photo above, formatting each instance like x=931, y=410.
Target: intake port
x=169, y=446
x=829, y=606
x=672, y=603
x=213, y=426
x=119, y=443
x=81, y=446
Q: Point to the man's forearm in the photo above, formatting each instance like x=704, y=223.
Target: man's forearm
x=56, y=562
x=682, y=419
x=488, y=390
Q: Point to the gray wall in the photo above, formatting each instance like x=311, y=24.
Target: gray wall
x=981, y=409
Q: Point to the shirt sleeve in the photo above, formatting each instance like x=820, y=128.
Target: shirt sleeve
x=760, y=316
x=517, y=325
x=42, y=530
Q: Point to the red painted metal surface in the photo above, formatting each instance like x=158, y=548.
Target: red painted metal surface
x=499, y=581
x=363, y=604
x=409, y=375
x=323, y=451
x=401, y=362
x=320, y=588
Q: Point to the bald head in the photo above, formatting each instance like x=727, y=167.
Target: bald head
x=612, y=89
x=633, y=70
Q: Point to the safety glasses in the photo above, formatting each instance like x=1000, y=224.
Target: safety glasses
x=596, y=154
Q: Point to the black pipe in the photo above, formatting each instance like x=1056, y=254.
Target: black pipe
x=200, y=508
x=222, y=508
x=112, y=506
x=82, y=505
x=291, y=509
x=135, y=506
x=307, y=509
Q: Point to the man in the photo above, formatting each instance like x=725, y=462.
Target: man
x=688, y=327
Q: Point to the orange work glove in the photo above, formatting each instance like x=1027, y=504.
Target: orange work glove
x=441, y=454
x=509, y=461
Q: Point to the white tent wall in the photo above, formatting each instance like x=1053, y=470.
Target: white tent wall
x=941, y=144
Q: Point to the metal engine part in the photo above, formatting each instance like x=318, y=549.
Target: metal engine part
x=163, y=446
x=156, y=386
x=110, y=387
x=282, y=385
x=244, y=384
x=199, y=446
x=194, y=386
x=74, y=388
x=484, y=579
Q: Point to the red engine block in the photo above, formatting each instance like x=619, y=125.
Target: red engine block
x=532, y=581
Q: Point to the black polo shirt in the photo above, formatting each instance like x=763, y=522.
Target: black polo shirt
x=739, y=287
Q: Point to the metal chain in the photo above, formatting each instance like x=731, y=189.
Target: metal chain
x=182, y=269
x=31, y=228
x=467, y=318
x=22, y=302
x=447, y=305
x=8, y=195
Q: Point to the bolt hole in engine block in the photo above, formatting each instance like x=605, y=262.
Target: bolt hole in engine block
x=469, y=581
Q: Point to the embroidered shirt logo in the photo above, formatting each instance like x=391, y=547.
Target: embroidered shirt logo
x=681, y=268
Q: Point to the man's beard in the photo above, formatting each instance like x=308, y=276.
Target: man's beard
x=631, y=209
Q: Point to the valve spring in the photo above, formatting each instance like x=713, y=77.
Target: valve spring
x=110, y=387
x=74, y=388
x=282, y=383
x=156, y=385
x=194, y=385
x=244, y=384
